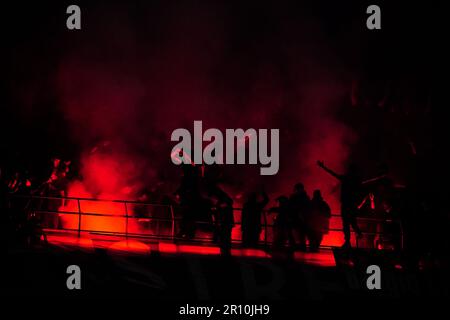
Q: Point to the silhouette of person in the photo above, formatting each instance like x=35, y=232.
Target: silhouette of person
x=299, y=203
x=350, y=187
x=318, y=220
x=251, y=218
x=189, y=198
x=15, y=183
x=55, y=188
x=367, y=208
x=225, y=219
x=382, y=188
x=283, y=226
x=383, y=206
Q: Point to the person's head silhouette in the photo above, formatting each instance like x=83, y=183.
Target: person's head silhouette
x=317, y=195
x=299, y=187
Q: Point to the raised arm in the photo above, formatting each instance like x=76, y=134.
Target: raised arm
x=370, y=197
x=331, y=172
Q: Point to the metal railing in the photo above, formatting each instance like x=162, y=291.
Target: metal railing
x=42, y=207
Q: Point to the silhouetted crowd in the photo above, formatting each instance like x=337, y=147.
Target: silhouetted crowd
x=298, y=219
x=17, y=187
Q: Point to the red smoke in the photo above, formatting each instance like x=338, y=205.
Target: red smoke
x=134, y=88
x=106, y=176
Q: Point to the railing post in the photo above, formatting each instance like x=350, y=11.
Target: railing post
x=79, y=218
x=126, y=220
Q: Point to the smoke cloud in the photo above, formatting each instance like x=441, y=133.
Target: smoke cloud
x=132, y=83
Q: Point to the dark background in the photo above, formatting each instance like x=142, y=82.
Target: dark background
x=138, y=70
